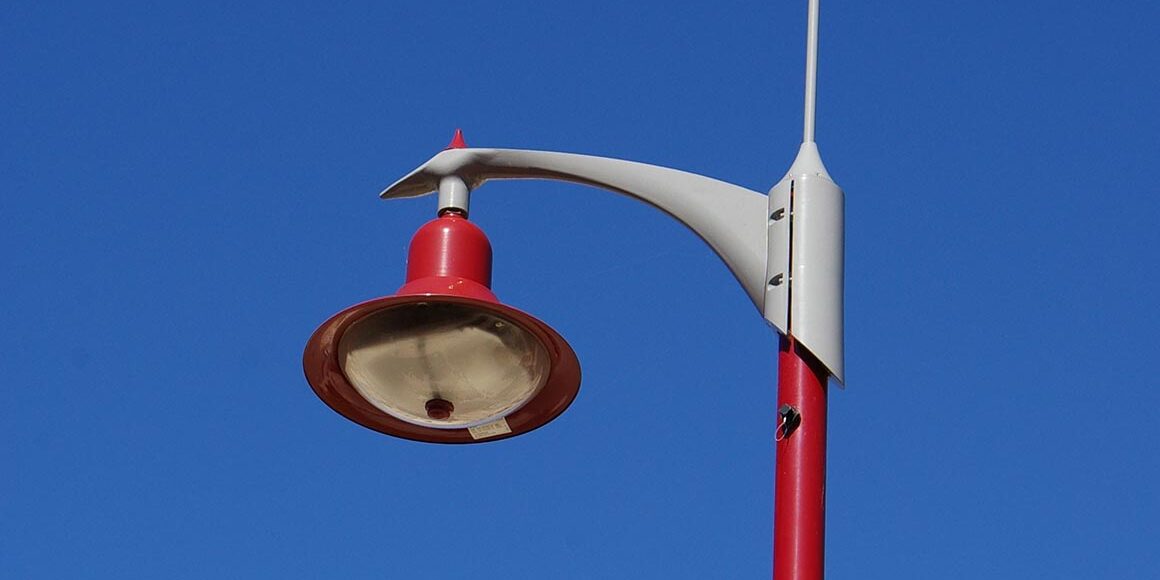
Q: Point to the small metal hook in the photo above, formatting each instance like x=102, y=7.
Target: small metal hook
x=790, y=418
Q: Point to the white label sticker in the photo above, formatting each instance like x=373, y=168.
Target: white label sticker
x=492, y=429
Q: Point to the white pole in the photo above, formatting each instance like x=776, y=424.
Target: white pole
x=811, y=71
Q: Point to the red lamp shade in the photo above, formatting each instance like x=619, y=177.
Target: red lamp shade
x=443, y=360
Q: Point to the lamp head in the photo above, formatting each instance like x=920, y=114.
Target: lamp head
x=443, y=360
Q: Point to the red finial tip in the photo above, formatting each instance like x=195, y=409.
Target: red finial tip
x=457, y=141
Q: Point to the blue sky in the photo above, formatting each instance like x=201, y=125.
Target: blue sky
x=190, y=188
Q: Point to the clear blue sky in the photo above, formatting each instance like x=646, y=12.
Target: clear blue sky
x=188, y=189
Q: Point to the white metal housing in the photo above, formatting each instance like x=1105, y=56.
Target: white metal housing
x=817, y=255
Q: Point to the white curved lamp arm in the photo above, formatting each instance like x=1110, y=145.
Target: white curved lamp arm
x=730, y=218
x=750, y=231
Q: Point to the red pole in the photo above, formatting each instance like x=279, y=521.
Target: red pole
x=799, y=522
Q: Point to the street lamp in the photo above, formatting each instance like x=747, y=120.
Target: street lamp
x=444, y=361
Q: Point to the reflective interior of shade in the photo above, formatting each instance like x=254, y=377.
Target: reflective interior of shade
x=443, y=365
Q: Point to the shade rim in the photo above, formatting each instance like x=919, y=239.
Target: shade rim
x=326, y=377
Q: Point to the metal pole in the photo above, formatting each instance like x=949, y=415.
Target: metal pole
x=799, y=503
x=811, y=71
x=799, y=523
